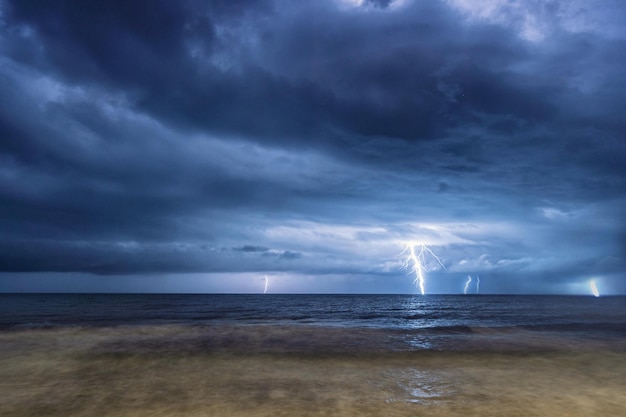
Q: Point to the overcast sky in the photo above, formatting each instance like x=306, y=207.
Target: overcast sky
x=197, y=146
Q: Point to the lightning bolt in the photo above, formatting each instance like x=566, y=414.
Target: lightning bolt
x=415, y=262
x=594, y=288
x=467, y=284
x=267, y=281
x=469, y=281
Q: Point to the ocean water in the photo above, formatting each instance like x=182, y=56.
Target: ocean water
x=311, y=355
x=420, y=322
x=369, y=311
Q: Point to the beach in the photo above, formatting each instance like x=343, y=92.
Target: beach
x=254, y=370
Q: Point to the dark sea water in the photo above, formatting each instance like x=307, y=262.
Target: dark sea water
x=407, y=312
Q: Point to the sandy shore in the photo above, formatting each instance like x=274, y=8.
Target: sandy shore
x=304, y=371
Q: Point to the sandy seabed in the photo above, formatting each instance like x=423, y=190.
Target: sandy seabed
x=304, y=371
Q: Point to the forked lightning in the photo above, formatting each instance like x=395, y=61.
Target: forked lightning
x=415, y=262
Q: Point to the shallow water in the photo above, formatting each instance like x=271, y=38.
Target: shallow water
x=301, y=355
x=270, y=370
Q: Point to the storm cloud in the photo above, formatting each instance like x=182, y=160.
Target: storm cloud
x=311, y=141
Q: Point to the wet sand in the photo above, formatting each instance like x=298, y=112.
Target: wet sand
x=307, y=371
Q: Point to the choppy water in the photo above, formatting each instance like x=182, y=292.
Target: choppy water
x=372, y=311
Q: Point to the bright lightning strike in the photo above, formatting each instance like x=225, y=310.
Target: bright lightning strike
x=467, y=284
x=594, y=288
x=267, y=281
x=415, y=262
x=477, y=283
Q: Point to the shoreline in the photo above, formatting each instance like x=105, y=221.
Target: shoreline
x=280, y=370
x=285, y=338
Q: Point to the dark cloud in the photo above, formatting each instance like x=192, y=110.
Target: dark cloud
x=379, y=3
x=149, y=136
x=174, y=65
x=289, y=255
x=250, y=248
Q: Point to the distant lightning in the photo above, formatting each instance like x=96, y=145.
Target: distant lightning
x=267, y=281
x=467, y=284
x=594, y=288
x=415, y=262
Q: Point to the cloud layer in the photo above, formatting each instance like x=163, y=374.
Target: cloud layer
x=312, y=141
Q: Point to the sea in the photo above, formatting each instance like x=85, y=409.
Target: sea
x=437, y=313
